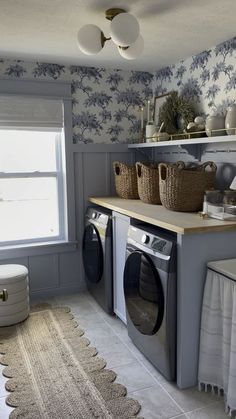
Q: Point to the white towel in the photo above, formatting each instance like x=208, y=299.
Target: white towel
x=217, y=357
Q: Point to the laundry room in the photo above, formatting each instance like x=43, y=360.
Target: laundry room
x=117, y=209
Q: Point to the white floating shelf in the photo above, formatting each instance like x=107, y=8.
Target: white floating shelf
x=203, y=140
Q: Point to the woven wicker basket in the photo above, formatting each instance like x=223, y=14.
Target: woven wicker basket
x=125, y=180
x=148, y=183
x=182, y=189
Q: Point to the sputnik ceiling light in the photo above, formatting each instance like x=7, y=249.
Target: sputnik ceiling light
x=124, y=32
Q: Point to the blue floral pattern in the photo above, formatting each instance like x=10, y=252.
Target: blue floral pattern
x=106, y=103
x=208, y=79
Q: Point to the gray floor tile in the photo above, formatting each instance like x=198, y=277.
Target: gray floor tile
x=35, y=300
x=214, y=411
x=134, y=377
x=180, y=417
x=74, y=299
x=156, y=403
x=117, y=355
x=191, y=398
x=87, y=321
x=151, y=369
x=101, y=336
x=82, y=308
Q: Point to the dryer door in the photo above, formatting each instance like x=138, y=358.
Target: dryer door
x=143, y=291
x=92, y=254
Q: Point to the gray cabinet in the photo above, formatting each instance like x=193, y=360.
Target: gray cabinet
x=120, y=229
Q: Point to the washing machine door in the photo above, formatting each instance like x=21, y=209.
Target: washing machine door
x=92, y=254
x=143, y=292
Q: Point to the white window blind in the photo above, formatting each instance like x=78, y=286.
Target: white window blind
x=18, y=111
x=32, y=170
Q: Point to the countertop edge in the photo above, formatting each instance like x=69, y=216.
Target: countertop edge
x=138, y=216
x=168, y=226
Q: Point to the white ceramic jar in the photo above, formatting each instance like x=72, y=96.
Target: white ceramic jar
x=215, y=122
x=230, y=120
x=150, y=131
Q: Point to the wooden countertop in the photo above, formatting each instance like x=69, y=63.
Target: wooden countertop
x=178, y=222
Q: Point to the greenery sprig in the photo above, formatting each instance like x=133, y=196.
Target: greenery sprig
x=175, y=107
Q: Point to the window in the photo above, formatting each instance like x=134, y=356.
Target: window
x=32, y=173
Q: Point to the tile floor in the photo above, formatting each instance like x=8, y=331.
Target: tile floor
x=159, y=398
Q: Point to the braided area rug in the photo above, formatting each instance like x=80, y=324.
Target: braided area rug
x=54, y=373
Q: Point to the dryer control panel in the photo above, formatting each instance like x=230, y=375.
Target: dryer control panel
x=150, y=241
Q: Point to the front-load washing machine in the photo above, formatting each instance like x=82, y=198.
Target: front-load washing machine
x=97, y=256
x=150, y=295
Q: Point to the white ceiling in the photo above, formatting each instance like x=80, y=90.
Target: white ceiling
x=46, y=30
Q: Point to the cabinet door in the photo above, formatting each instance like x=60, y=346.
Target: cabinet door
x=120, y=230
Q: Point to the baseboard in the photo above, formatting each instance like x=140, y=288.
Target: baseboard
x=52, y=292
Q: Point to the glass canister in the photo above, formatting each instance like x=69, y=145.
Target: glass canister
x=214, y=197
x=229, y=197
x=213, y=201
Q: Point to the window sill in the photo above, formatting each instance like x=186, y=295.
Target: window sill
x=35, y=249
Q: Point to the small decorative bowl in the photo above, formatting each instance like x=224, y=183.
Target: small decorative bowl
x=161, y=136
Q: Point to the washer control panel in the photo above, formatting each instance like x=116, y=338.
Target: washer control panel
x=158, y=244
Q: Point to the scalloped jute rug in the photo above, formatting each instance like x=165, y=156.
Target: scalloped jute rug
x=54, y=373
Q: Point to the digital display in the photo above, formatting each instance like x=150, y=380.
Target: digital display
x=158, y=245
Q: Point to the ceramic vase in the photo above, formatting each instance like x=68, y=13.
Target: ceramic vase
x=215, y=122
x=230, y=120
x=150, y=131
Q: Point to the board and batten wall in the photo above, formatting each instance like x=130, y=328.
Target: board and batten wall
x=55, y=271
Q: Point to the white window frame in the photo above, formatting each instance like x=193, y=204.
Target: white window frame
x=57, y=174
x=65, y=162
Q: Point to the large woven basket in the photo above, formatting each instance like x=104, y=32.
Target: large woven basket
x=148, y=183
x=125, y=180
x=182, y=189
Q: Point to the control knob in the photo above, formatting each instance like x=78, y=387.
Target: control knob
x=145, y=239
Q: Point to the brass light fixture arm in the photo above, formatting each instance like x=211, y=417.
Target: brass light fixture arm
x=104, y=39
x=111, y=13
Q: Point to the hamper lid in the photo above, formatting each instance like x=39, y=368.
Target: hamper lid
x=12, y=273
x=226, y=267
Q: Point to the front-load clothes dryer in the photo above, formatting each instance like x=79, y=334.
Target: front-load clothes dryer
x=97, y=256
x=150, y=295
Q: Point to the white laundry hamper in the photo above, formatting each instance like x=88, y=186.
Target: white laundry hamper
x=217, y=354
x=14, y=294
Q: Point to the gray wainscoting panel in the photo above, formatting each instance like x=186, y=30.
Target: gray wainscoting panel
x=70, y=271
x=96, y=174
x=44, y=272
x=94, y=177
x=17, y=261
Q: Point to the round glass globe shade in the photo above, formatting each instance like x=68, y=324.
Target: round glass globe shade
x=89, y=39
x=134, y=50
x=124, y=29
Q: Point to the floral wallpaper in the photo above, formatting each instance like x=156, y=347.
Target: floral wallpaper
x=208, y=79
x=106, y=103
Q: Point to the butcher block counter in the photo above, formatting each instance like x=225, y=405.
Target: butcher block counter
x=157, y=215
x=198, y=241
